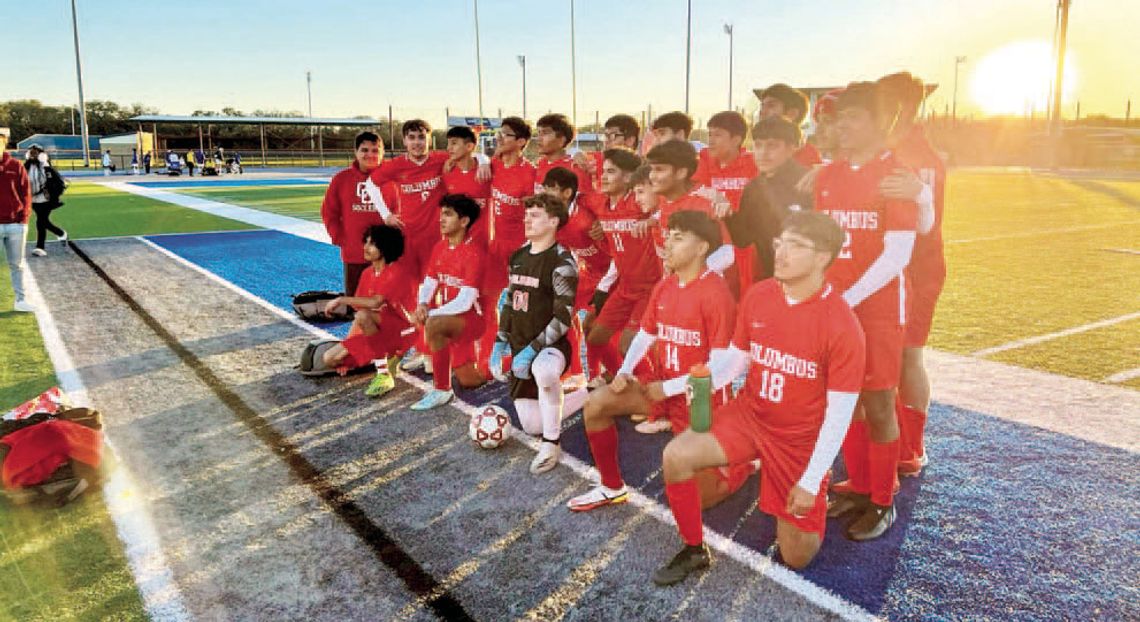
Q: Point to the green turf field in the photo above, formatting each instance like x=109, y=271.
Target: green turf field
x=296, y=201
x=55, y=564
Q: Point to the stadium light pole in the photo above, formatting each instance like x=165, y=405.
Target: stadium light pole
x=309, y=87
x=478, y=62
x=728, y=31
x=958, y=60
x=573, y=76
x=1058, y=80
x=688, y=50
x=522, y=63
x=79, y=77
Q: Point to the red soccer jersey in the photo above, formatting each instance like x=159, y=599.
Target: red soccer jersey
x=689, y=321
x=456, y=267
x=394, y=285
x=593, y=255
x=543, y=166
x=458, y=181
x=419, y=187
x=797, y=353
x=690, y=201
x=730, y=179
x=636, y=259
x=928, y=264
x=509, y=186
x=347, y=212
x=851, y=196
x=808, y=155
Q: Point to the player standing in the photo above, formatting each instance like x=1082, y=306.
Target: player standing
x=781, y=100
x=803, y=350
x=554, y=133
x=727, y=167
x=870, y=273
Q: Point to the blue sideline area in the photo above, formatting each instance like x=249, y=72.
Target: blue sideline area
x=201, y=182
x=1008, y=522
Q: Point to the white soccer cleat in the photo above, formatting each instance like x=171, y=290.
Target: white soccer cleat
x=597, y=497
x=412, y=361
x=547, y=458
x=23, y=306
x=433, y=399
x=39, y=252
x=654, y=427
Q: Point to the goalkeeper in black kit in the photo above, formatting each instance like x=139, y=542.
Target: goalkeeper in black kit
x=534, y=317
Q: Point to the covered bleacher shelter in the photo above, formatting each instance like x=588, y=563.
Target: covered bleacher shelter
x=206, y=121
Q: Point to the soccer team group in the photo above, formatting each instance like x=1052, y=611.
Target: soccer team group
x=802, y=276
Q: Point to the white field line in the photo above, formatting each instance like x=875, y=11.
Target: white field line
x=126, y=503
x=752, y=559
x=1125, y=251
x=286, y=224
x=1124, y=376
x=1029, y=341
x=1026, y=234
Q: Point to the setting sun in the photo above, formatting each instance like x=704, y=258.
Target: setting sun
x=1015, y=78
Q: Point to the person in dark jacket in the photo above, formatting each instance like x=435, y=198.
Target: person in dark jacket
x=15, y=205
x=772, y=195
x=42, y=200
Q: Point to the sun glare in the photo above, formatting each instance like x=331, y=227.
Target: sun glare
x=1015, y=78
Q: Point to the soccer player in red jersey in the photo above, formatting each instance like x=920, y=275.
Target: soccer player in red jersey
x=461, y=176
x=671, y=126
x=620, y=130
x=347, y=210
x=554, y=133
x=927, y=268
x=383, y=302
x=635, y=259
x=448, y=301
x=593, y=258
x=727, y=167
x=803, y=350
x=671, y=168
x=784, y=101
x=689, y=315
x=869, y=271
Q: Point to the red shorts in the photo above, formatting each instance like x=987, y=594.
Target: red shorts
x=499, y=253
x=392, y=338
x=920, y=314
x=587, y=285
x=623, y=309
x=743, y=439
x=417, y=252
x=884, y=355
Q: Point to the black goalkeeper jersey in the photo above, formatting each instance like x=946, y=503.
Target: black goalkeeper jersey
x=540, y=299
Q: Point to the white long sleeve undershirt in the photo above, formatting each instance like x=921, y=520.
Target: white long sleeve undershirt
x=721, y=259
x=377, y=198
x=925, y=201
x=427, y=290
x=460, y=304
x=638, y=348
x=725, y=364
x=608, y=280
x=897, y=247
x=836, y=420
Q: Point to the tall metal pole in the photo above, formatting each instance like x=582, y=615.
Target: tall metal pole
x=478, y=62
x=522, y=63
x=728, y=31
x=309, y=86
x=79, y=78
x=1058, y=80
x=688, y=51
x=573, y=76
x=958, y=60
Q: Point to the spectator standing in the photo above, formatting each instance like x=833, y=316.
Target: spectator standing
x=15, y=204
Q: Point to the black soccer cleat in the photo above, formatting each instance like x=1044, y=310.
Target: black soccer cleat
x=874, y=522
x=843, y=503
x=689, y=560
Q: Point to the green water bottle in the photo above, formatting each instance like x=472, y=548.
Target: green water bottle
x=698, y=394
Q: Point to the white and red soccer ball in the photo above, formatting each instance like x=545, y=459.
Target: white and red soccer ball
x=489, y=427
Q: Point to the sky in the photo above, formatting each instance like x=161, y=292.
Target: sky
x=419, y=57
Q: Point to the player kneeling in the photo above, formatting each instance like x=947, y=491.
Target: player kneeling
x=534, y=317
x=380, y=328
x=804, y=352
x=689, y=316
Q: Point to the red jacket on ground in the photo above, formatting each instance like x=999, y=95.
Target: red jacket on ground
x=38, y=450
x=15, y=191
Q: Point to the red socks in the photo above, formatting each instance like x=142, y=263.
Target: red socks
x=855, y=448
x=685, y=502
x=883, y=464
x=913, y=421
x=574, y=336
x=441, y=368
x=604, y=447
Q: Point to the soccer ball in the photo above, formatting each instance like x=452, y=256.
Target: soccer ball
x=489, y=427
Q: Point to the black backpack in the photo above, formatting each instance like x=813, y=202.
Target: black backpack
x=313, y=358
x=55, y=185
x=310, y=306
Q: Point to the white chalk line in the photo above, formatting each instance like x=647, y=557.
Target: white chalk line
x=1026, y=234
x=1029, y=341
